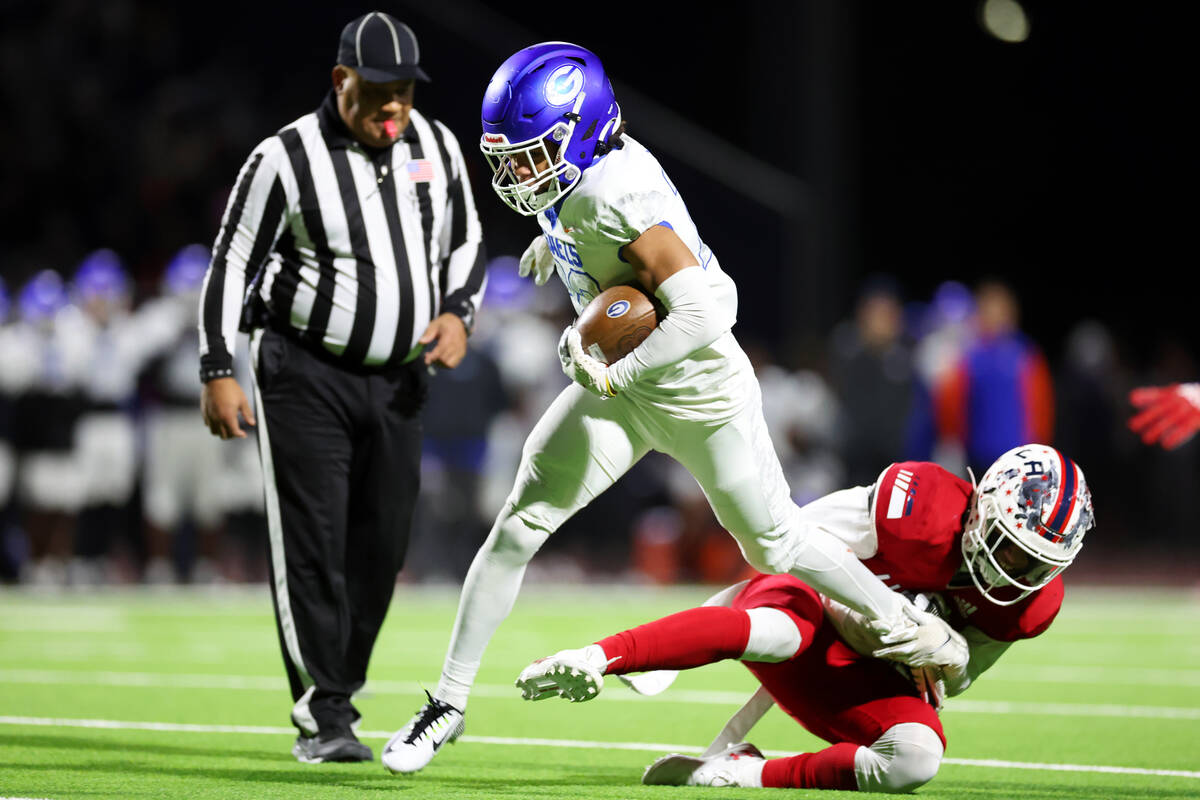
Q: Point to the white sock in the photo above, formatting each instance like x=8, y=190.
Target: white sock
x=774, y=636
x=488, y=594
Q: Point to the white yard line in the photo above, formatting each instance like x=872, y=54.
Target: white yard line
x=987, y=762
x=954, y=705
x=616, y=694
x=1074, y=675
x=652, y=747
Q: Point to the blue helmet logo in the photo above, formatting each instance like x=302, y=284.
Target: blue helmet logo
x=563, y=85
x=617, y=309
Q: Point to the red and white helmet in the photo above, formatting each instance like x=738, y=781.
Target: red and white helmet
x=1031, y=511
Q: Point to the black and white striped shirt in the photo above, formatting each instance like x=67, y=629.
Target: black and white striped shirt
x=354, y=250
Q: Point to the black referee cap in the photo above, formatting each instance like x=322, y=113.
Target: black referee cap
x=380, y=48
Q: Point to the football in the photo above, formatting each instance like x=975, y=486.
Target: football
x=616, y=321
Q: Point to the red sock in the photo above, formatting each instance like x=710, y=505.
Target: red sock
x=688, y=639
x=831, y=768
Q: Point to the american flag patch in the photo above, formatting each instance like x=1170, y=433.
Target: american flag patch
x=904, y=491
x=420, y=170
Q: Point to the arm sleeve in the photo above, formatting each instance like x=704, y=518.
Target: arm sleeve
x=846, y=514
x=694, y=320
x=464, y=276
x=253, y=221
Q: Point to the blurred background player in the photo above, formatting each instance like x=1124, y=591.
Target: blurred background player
x=1168, y=415
x=461, y=407
x=8, y=459
x=46, y=367
x=118, y=342
x=871, y=369
x=553, y=135
x=184, y=483
x=987, y=560
x=1001, y=392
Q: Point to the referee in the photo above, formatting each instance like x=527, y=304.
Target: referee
x=351, y=251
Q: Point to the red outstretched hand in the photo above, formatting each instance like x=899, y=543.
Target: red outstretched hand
x=1169, y=415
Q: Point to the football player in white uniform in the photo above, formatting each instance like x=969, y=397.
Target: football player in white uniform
x=118, y=341
x=8, y=460
x=609, y=215
x=185, y=472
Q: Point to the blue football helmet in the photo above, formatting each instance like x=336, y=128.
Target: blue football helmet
x=5, y=302
x=186, y=270
x=43, y=296
x=549, y=107
x=102, y=275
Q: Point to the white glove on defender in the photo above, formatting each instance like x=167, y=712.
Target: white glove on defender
x=588, y=372
x=537, y=259
x=930, y=641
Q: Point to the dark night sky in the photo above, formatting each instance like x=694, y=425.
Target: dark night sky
x=1052, y=163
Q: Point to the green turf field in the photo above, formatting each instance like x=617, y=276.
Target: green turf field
x=181, y=694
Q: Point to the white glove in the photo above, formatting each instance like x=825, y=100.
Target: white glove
x=537, y=259
x=588, y=372
x=928, y=640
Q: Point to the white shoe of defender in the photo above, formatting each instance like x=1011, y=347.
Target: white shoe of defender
x=737, y=765
x=570, y=674
x=415, y=745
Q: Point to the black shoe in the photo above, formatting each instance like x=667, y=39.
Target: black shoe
x=337, y=744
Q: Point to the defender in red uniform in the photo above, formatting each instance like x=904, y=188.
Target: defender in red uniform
x=987, y=559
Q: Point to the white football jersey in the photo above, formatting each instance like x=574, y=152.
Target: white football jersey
x=618, y=198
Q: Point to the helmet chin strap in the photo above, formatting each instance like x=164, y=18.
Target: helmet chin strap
x=610, y=127
x=572, y=172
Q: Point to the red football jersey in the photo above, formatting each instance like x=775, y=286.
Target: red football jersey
x=919, y=510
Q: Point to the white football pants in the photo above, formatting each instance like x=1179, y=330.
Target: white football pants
x=583, y=443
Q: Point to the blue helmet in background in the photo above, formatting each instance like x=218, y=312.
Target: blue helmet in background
x=102, y=275
x=506, y=290
x=43, y=296
x=953, y=302
x=5, y=301
x=186, y=270
x=549, y=107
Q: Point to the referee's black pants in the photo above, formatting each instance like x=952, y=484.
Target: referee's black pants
x=341, y=457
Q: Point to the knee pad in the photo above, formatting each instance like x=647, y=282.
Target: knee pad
x=906, y=757
x=773, y=636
